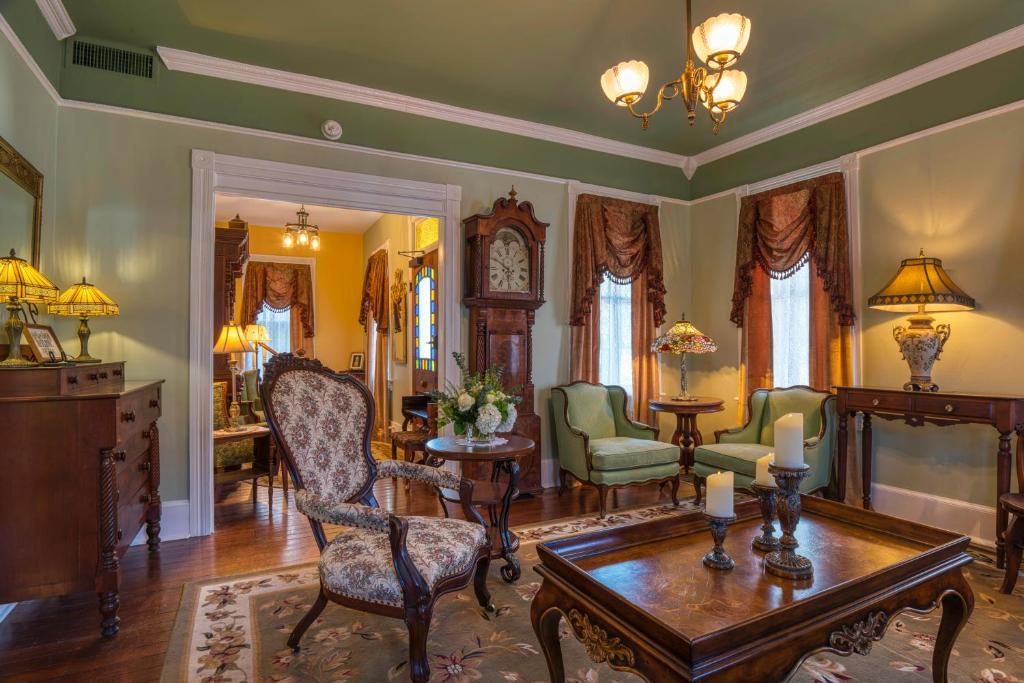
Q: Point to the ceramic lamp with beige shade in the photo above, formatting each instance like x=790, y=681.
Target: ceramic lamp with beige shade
x=920, y=286
x=231, y=341
x=20, y=283
x=683, y=338
x=86, y=301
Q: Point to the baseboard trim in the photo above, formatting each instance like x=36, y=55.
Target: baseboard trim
x=173, y=523
x=549, y=472
x=971, y=519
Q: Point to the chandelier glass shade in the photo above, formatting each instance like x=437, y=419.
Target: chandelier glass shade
x=303, y=233
x=718, y=43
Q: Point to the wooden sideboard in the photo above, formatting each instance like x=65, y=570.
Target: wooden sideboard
x=81, y=454
x=916, y=408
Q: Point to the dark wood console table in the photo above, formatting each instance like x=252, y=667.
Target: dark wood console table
x=1005, y=413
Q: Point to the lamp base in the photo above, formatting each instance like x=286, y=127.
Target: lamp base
x=14, y=327
x=83, y=340
x=84, y=358
x=921, y=344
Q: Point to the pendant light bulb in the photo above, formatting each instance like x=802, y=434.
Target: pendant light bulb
x=303, y=238
x=289, y=241
x=314, y=242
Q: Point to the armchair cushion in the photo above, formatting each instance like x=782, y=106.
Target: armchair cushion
x=358, y=562
x=590, y=410
x=220, y=403
x=623, y=452
x=735, y=457
x=234, y=453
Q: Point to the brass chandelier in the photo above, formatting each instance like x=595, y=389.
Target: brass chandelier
x=303, y=233
x=718, y=42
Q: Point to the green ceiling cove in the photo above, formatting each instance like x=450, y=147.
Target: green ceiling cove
x=24, y=17
x=541, y=61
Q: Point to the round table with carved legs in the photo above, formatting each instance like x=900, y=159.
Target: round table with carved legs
x=687, y=437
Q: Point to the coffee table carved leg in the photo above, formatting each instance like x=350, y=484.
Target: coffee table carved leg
x=957, y=606
x=545, y=618
x=511, y=571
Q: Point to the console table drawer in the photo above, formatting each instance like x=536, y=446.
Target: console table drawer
x=869, y=400
x=136, y=411
x=958, y=407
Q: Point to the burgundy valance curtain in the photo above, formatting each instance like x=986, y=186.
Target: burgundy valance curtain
x=280, y=286
x=782, y=229
x=622, y=240
x=374, y=304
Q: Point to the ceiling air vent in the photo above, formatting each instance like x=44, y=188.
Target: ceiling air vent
x=115, y=59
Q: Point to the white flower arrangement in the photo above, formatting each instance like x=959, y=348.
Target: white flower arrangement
x=477, y=403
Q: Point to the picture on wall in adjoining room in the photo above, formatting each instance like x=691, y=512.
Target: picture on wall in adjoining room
x=357, y=361
x=399, y=330
x=44, y=344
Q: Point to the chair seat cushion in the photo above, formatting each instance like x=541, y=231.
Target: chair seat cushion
x=623, y=452
x=357, y=563
x=735, y=457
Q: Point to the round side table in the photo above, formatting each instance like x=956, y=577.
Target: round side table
x=687, y=436
x=490, y=494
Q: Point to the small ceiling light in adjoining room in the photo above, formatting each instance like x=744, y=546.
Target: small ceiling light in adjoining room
x=303, y=233
x=718, y=42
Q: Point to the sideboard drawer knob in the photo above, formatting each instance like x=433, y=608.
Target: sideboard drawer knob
x=117, y=373
x=948, y=407
x=874, y=401
x=103, y=375
x=120, y=455
x=145, y=498
x=145, y=467
x=120, y=534
x=72, y=379
x=93, y=376
x=128, y=416
x=153, y=403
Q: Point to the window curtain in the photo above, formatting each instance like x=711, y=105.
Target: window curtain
x=281, y=287
x=373, y=316
x=779, y=231
x=621, y=240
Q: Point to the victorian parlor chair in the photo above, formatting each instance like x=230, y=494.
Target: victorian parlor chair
x=383, y=563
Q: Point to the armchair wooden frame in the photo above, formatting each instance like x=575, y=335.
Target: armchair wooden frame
x=698, y=481
x=603, y=489
x=418, y=599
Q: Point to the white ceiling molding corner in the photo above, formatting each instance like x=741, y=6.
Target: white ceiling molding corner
x=57, y=17
x=919, y=75
x=690, y=167
x=204, y=65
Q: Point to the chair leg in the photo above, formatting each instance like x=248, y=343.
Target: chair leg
x=307, y=621
x=483, y=596
x=675, y=490
x=1014, y=538
x=698, y=482
x=602, y=501
x=563, y=482
x=419, y=625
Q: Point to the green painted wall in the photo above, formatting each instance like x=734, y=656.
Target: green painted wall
x=959, y=195
x=24, y=17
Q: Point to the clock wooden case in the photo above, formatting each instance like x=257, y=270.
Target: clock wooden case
x=504, y=289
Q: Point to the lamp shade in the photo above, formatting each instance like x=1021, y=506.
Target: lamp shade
x=257, y=333
x=84, y=299
x=683, y=337
x=729, y=90
x=721, y=39
x=232, y=340
x=20, y=280
x=627, y=79
x=921, y=281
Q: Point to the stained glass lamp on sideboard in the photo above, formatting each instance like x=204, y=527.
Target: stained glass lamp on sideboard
x=20, y=283
x=84, y=300
x=683, y=338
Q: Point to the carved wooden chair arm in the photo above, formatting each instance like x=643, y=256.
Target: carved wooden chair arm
x=424, y=473
x=343, y=514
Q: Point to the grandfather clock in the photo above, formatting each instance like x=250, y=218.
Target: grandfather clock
x=504, y=289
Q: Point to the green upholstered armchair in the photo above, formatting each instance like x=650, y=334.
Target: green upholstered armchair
x=599, y=445
x=235, y=452
x=738, y=449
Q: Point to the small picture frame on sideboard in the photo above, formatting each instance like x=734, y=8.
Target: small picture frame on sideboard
x=357, y=361
x=44, y=344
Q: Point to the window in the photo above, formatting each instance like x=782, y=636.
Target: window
x=615, y=303
x=791, y=329
x=425, y=320
x=279, y=325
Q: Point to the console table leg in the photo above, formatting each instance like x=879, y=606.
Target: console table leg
x=511, y=571
x=865, y=454
x=841, y=456
x=956, y=609
x=678, y=442
x=1002, y=486
x=545, y=618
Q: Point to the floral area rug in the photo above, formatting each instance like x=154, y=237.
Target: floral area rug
x=235, y=628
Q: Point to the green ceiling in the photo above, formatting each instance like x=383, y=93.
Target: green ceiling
x=540, y=60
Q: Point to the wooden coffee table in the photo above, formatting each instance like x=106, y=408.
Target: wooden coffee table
x=640, y=600
x=687, y=436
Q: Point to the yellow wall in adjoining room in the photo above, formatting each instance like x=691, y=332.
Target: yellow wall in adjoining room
x=337, y=289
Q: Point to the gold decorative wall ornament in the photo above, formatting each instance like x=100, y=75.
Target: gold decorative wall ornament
x=599, y=645
x=718, y=42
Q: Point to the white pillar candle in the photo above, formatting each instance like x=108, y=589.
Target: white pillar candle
x=789, y=440
x=719, y=495
x=764, y=478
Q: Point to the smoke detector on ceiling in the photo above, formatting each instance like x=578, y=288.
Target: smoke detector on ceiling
x=331, y=129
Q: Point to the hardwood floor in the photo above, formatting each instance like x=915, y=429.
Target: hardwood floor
x=58, y=639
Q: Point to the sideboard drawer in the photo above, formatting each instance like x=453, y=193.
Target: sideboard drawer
x=131, y=512
x=869, y=400
x=959, y=407
x=136, y=411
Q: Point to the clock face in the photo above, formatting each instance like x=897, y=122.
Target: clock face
x=509, y=268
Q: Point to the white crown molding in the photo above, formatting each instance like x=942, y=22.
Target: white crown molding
x=57, y=17
x=204, y=65
x=919, y=75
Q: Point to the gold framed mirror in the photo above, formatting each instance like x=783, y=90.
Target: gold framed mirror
x=21, y=199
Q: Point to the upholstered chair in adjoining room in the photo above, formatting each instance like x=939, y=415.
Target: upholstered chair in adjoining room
x=235, y=453
x=381, y=563
x=250, y=395
x=738, y=449
x=601, y=446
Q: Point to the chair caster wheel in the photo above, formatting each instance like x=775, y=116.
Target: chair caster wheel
x=491, y=608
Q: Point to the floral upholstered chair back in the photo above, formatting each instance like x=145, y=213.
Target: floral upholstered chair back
x=323, y=421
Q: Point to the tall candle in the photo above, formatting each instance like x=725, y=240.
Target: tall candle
x=719, y=495
x=789, y=440
x=764, y=478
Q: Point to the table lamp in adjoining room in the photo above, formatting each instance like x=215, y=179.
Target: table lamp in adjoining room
x=920, y=286
x=259, y=336
x=84, y=300
x=20, y=283
x=232, y=340
x=683, y=338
